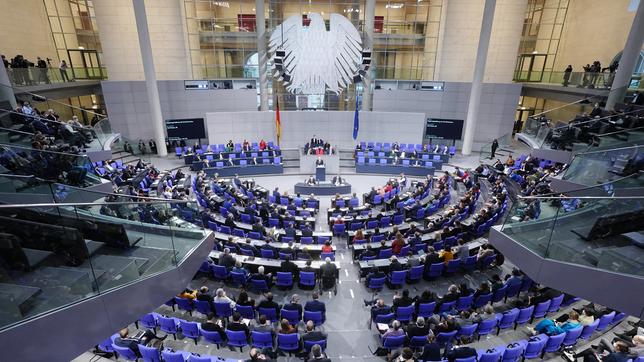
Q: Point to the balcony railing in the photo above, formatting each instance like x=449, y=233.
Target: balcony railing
x=21, y=77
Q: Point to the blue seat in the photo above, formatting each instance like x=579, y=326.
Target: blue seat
x=309, y=344
x=190, y=330
x=467, y=330
x=514, y=351
x=535, y=346
x=553, y=344
x=223, y=310
x=507, y=320
x=489, y=355
x=212, y=337
x=444, y=337
x=292, y=315
x=376, y=284
x=426, y=310
x=415, y=274
x=148, y=321
x=124, y=352
x=270, y=313
x=261, y=339
x=184, y=304
x=288, y=342
x=464, y=303
x=259, y=285
x=571, y=336
x=171, y=356
x=237, y=339
x=525, y=314
x=339, y=229
x=589, y=329
x=540, y=310
x=512, y=290
x=604, y=321
x=149, y=354
x=246, y=311
x=168, y=325
x=267, y=253
x=555, y=303
x=385, y=253
x=307, y=279
x=202, y=306
x=316, y=317
x=486, y=327
x=397, y=278
x=384, y=318
x=405, y=314
x=393, y=342
x=482, y=300
x=284, y=280
x=435, y=270
x=446, y=307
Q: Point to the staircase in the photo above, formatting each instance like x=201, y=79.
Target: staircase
x=291, y=159
x=347, y=162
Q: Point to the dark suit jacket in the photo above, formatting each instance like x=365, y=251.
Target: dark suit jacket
x=431, y=352
x=290, y=232
x=294, y=306
x=313, y=336
x=315, y=306
x=460, y=352
x=213, y=327
x=307, y=232
x=238, y=326
x=289, y=266
x=268, y=304
x=413, y=330
x=128, y=343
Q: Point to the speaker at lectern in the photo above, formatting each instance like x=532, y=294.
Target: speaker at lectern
x=320, y=170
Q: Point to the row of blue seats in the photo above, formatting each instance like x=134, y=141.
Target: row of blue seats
x=390, y=161
x=535, y=347
x=245, y=162
x=222, y=148
x=284, y=280
x=386, y=146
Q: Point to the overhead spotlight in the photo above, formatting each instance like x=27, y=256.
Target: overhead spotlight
x=280, y=53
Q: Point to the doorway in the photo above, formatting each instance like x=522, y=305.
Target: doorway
x=530, y=67
x=85, y=64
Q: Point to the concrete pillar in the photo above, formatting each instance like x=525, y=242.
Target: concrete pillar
x=260, y=26
x=369, y=16
x=150, y=76
x=630, y=55
x=6, y=89
x=479, y=72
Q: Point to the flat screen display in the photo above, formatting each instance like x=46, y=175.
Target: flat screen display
x=187, y=128
x=451, y=129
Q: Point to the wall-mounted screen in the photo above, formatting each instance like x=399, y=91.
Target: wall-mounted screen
x=451, y=129
x=187, y=128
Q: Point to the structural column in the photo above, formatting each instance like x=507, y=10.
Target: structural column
x=630, y=55
x=150, y=76
x=260, y=27
x=479, y=72
x=369, y=16
x=6, y=89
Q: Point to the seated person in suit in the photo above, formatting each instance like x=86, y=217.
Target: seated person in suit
x=417, y=329
x=237, y=325
x=311, y=180
x=375, y=273
x=317, y=355
x=125, y=341
x=294, y=305
x=402, y=300
x=268, y=303
x=314, y=305
x=263, y=325
x=213, y=325
x=287, y=266
x=328, y=273
x=337, y=180
x=204, y=295
x=380, y=308
x=460, y=350
x=226, y=259
x=268, y=278
x=311, y=334
x=431, y=350
x=319, y=162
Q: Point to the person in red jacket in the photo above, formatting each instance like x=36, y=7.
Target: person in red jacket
x=397, y=244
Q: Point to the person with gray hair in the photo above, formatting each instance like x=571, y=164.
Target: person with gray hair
x=227, y=260
x=317, y=354
x=294, y=305
x=220, y=297
x=239, y=268
x=328, y=273
x=395, y=330
x=268, y=278
x=311, y=334
x=418, y=329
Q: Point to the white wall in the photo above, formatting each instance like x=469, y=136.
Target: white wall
x=128, y=110
x=120, y=41
x=461, y=35
x=24, y=30
x=298, y=127
x=495, y=117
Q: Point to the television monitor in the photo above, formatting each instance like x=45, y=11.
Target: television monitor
x=451, y=129
x=186, y=128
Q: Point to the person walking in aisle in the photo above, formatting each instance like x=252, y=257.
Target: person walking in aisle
x=495, y=145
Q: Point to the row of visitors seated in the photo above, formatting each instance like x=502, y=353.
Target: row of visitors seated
x=26, y=118
x=230, y=146
x=419, y=148
x=317, y=146
x=46, y=165
x=201, y=162
x=398, y=161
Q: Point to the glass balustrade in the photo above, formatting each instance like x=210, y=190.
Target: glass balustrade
x=56, y=254
x=588, y=231
x=486, y=149
x=21, y=77
x=592, y=168
x=602, y=80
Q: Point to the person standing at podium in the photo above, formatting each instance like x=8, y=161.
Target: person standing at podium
x=319, y=162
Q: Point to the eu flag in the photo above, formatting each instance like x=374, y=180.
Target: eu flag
x=356, y=121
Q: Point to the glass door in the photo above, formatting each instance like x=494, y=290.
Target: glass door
x=85, y=64
x=530, y=67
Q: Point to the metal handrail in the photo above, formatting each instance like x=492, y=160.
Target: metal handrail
x=16, y=131
x=608, y=150
x=46, y=151
x=15, y=206
x=594, y=119
x=620, y=131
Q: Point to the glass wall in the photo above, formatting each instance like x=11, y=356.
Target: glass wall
x=223, y=44
x=75, y=33
x=542, y=27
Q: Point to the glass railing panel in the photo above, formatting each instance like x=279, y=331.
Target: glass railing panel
x=45, y=266
x=530, y=223
x=34, y=76
x=593, y=232
x=599, y=80
x=74, y=169
x=103, y=130
x=597, y=167
x=486, y=149
x=16, y=137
